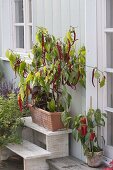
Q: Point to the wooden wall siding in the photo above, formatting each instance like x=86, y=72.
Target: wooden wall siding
x=0, y=27
x=91, y=46
x=58, y=15
x=5, y=37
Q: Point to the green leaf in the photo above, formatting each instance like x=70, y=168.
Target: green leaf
x=66, y=119
x=105, y=115
x=87, y=137
x=74, y=133
x=102, y=122
x=29, y=77
x=97, y=74
x=22, y=67
x=97, y=116
x=102, y=83
x=69, y=100
x=48, y=57
x=51, y=105
x=47, y=47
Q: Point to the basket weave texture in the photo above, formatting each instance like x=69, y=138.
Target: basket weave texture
x=49, y=120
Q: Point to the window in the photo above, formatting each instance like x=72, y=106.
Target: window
x=22, y=25
x=108, y=65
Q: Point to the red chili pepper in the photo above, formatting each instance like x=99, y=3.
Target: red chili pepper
x=83, y=130
x=83, y=120
x=69, y=47
x=108, y=168
x=20, y=102
x=92, y=136
x=59, y=69
x=59, y=50
x=74, y=39
x=93, y=73
x=42, y=42
x=43, y=50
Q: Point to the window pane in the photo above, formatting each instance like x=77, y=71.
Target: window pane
x=110, y=90
x=19, y=14
x=20, y=37
x=109, y=49
x=110, y=129
x=30, y=37
x=30, y=11
x=109, y=14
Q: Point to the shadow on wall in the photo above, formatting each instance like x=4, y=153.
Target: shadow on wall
x=77, y=107
x=8, y=73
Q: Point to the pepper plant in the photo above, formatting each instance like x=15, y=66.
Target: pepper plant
x=56, y=64
x=84, y=130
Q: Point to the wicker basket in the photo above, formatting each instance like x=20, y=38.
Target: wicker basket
x=49, y=120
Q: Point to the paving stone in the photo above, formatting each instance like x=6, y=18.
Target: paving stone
x=69, y=163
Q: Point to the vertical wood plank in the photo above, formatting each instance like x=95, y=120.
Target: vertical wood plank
x=57, y=18
x=49, y=15
x=0, y=28
x=34, y=18
x=6, y=26
x=91, y=46
x=75, y=16
x=65, y=16
x=82, y=22
x=40, y=13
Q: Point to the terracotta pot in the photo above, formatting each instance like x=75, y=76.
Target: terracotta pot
x=49, y=120
x=95, y=160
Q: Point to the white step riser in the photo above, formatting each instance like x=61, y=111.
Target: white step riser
x=36, y=164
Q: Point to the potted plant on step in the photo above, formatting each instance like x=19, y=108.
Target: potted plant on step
x=85, y=131
x=56, y=64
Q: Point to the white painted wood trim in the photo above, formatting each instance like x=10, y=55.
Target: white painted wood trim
x=108, y=30
x=109, y=70
x=109, y=109
x=19, y=24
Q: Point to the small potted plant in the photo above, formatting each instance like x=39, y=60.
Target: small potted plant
x=85, y=131
x=55, y=66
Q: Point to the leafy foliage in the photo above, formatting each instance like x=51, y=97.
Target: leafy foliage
x=1, y=70
x=84, y=129
x=55, y=65
x=10, y=120
x=99, y=75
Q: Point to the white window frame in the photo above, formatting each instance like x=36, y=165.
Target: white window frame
x=102, y=31
x=26, y=25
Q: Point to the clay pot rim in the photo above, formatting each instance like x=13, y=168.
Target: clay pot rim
x=101, y=152
x=44, y=111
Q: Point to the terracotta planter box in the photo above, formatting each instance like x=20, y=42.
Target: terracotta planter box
x=48, y=120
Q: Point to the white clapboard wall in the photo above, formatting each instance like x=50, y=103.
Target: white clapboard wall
x=58, y=15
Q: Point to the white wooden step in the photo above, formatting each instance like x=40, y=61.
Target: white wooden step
x=28, y=150
x=28, y=122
